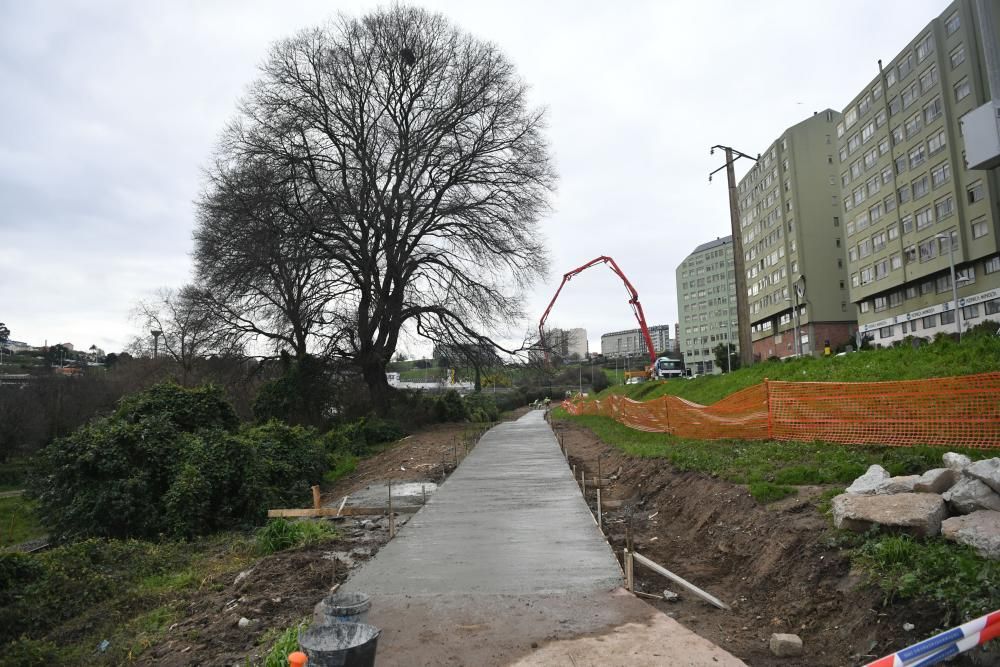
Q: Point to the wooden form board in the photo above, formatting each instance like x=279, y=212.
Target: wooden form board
x=334, y=512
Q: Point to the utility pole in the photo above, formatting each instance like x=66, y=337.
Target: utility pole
x=742, y=309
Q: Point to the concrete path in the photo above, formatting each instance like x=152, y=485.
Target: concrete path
x=505, y=565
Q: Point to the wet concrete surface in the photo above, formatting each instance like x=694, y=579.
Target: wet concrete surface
x=404, y=494
x=505, y=563
x=509, y=520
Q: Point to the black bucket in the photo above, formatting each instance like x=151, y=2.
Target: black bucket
x=342, y=608
x=340, y=645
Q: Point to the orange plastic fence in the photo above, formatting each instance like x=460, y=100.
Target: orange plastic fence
x=952, y=412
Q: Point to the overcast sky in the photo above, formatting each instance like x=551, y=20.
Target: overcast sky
x=110, y=109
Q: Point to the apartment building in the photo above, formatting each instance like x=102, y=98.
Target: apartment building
x=908, y=200
x=631, y=342
x=790, y=220
x=706, y=304
x=569, y=344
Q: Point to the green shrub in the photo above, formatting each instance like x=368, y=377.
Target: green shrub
x=287, y=642
x=302, y=395
x=39, y=591
x=481, y=408
x=964, y=584
x=358, y=437
x=449, y=407
x=169, y=461
x=280, y=534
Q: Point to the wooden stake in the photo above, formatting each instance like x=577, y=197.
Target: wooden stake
x=317, y=502
x=629, y=581
x=423, y=494
x=600, y=522
x=659, y=569
x=392, y=517
x=342, y=503
x=583, y=481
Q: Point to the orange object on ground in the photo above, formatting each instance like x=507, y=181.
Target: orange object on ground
x=297, y=659
x=947, y=412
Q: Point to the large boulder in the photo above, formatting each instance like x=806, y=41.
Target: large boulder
x=937, y=480
x=986, y=471
x=970, y=495
x=785, y=645
x=955, y=461
x=903, y=484
x=915, y=513
x=867, y=483
x=980, y=530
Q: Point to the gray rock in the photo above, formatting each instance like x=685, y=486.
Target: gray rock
x=980, y=530
x=903, y=484
x=785, y=645
x=956, y=461
x=866, y=484
x=986, y=471
x=244, y=622
x=937, y=480
x=969, y=495
x=914, y=513
x=670, y=596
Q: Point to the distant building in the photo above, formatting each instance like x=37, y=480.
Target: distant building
x=567, y=343
x=631, y=342
x=706, y=303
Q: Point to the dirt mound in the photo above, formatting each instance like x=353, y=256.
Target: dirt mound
x=777, y=565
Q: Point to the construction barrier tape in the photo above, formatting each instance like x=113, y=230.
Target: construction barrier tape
x=954, y=641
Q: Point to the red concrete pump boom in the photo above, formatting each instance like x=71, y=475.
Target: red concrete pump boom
x=633, y=301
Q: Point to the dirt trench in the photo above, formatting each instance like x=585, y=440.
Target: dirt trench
x=777, y=565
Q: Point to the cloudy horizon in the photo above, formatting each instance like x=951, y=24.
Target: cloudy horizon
x=112, y=109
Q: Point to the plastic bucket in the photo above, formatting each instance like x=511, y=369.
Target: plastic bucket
x=342, y=608
x=340, y=645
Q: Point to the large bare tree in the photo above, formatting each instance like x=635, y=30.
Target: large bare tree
x=407, y=154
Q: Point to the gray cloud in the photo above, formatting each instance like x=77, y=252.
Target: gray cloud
x=112, y=108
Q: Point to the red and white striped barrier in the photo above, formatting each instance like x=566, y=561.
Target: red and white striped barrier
x=945, y=645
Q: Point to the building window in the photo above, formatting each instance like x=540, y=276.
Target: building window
x=854, y=280
x=992, y=265
x=913, y=125
x=865, y=306
x=885, y=332
x=924, y=218
x=962, y=89
x=979, y=228
x=897, y=135
x=895, y=262
x=943, y=283
x=940, y=174
x=933, y=110
x=992, y=307
x=957, y=56
x=894, y=106
x=883, y=146
x=881, y=269
x=889, y=203
x=907, y=224
x=886, y=175
x=852, y=254
x=905, y=66
x=928, y=250
x=890, y=78
x=911, y=254
x=878, y=241
x=893, y=232
x=929, y=322
x=952, y=24
x=881, y=303
x=928, y=78
x=948, y=317
x=917, y=156
x=900, y=164
x=936, y=142
x=944, y=207
x=970, y=312
x=975, y=192
x=919, y=186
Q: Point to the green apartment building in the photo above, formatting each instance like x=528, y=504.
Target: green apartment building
x=706, y=303
x=792, y=232
x=908, y=198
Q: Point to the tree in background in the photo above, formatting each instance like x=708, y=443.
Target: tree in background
x=402, y=157
x=720, y=357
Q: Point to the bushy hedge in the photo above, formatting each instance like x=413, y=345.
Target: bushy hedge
x=172, y=461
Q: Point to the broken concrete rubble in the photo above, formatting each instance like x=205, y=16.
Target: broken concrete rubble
x=955, y=461
x=937, y=480
x=903, y=484
x=980, y=530
x=986, y=471
x=970, y=495
x=785, y=645
x=867, y=483
x=915, y=513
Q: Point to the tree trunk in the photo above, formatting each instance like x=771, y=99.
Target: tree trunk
x=373, y=372
x=479, y=383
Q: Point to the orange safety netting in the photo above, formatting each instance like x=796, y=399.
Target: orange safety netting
x=954, y=412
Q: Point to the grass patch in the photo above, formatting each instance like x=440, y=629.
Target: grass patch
x=344, y=466
x=953, y=576
x=285, y=643
x=18, y=522
x=768, y=492
x=780, y=463
x=280, y=534
x=942, y=358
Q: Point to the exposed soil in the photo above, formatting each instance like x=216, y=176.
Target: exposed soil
x=279, y=590
x=776, y=564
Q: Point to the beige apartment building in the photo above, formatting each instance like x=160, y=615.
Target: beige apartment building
x=908, y=199
x=793, y=236
x=706, y=304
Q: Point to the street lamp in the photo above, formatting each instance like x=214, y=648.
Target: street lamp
x=954, y=284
